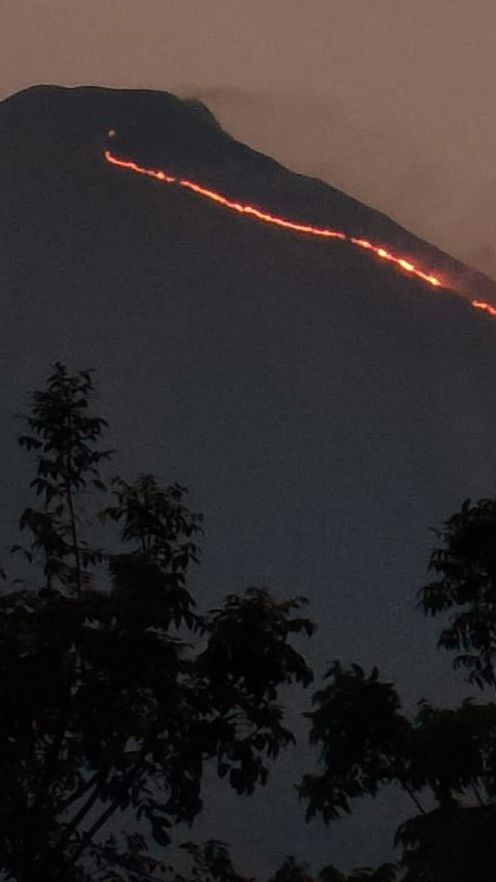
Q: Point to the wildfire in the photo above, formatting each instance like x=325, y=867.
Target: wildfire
x=486, y=307
x=306, y=229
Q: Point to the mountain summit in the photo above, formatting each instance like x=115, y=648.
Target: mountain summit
x=158, y=129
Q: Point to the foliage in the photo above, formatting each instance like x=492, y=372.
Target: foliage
x=106, y=707
x=452, y=843
x=466, y=586
x=384, y=873
x=116, y=691
x=361, y=735
x=445, y=757
x=64, y=437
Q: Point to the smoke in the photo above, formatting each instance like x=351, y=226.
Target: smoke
x=442, y=195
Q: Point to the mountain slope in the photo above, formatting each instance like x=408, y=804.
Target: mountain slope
x=159, y=129
x=324, y=408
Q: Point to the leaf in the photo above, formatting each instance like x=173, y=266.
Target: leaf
x=159, y=830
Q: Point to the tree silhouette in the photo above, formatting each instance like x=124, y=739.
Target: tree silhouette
x=106, y=706
x=116, y=691
x=466, y=587
x=444, y=759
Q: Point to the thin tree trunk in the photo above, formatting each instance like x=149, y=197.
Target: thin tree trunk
x=413, y=798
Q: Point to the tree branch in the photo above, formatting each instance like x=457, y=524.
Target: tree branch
x=88, y=836
x=81, y=790
x=81, y=814
x=477, y=793
x=412, y=796
x=114, y=805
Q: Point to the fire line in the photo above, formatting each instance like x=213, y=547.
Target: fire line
x=306, y=229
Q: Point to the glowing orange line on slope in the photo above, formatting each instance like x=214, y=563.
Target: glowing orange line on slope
x=261, y=215
x=307, y=229
x=486, y=307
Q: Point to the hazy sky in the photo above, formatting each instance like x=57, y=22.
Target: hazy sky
x=391, y=100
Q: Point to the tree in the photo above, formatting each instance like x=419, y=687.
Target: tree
x=64, y=435
x=444, y=759
x=116, y=691
x=106, y=706
x=465, y=564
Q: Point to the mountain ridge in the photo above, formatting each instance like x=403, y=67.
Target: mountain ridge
x=195, y=139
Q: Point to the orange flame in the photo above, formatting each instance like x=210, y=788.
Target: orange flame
x=486, y=307
x=406, y=265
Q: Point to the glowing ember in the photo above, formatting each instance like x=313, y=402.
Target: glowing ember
x=406, y=265
x=486, y=307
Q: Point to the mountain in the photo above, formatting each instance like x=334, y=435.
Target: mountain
x=324, y=407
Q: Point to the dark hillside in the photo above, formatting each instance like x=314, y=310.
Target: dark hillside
x=324, y=408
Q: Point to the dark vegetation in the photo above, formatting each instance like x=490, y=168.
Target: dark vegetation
x=116, y=691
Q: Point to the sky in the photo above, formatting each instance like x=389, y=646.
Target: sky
x=389, y=100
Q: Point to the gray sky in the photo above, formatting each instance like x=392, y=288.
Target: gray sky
x=391, y=100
